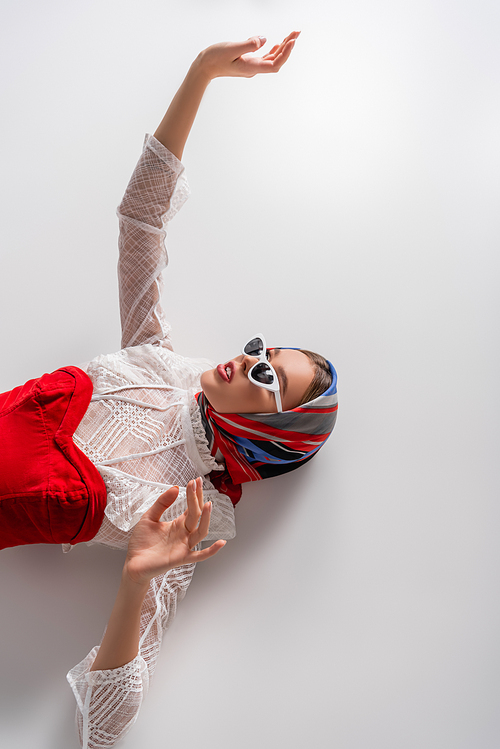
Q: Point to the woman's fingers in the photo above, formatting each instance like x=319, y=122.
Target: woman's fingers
x=196, y=518
x=282, y=56
x=291, y=37
x=201, y=531
x=256, y=42
x=273, y=61
x=271, y=52
x=199, y=492
x=193, y=511
x=239, y=58
x=200, y=556
x=163, y=502
x=278, y=48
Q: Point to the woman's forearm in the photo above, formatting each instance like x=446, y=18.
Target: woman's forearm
x=120, y=643
x=175, y=127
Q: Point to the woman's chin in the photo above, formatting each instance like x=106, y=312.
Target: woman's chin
x=205, y=379
x=206, y=382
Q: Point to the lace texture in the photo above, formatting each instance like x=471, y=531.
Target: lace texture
x=155, y=193
x=145, y=435
x=143, y=431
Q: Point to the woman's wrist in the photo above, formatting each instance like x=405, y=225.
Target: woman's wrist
x=200, y=69
x=135, y=585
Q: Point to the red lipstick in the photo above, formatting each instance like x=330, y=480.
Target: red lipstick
x=226, y=371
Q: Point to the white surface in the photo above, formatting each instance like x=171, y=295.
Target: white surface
x=349, y=205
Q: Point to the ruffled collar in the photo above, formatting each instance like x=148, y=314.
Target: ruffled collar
x=201, y=440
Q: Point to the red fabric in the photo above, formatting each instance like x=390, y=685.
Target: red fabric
x=50, y=492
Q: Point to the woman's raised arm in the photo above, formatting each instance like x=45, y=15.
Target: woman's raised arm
x=216, y=61
x=156, y=190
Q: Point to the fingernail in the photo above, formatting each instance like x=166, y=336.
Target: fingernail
x=262, y=39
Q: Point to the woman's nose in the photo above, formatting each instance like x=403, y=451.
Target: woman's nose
x=248, y=362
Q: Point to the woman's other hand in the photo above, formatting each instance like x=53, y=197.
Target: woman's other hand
x=156, y=547
x=237, y=58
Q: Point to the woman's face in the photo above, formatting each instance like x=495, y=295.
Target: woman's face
x=238, y=394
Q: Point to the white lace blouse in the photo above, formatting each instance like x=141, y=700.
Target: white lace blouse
x=143, y=431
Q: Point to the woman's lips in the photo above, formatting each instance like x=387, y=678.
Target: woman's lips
x=226, y=371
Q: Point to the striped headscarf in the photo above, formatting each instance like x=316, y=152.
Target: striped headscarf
x=259, y=446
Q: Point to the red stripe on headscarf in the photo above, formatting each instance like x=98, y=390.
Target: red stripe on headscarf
x=317, y=410
x=243, y=427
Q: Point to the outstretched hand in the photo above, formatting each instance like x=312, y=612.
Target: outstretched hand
x=237, y=58
x=156, y=547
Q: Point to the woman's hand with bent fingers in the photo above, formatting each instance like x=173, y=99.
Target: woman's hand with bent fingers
x=216, y=61
x=236, y=58
x=156, y=547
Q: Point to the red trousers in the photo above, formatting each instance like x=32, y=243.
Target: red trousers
x=50, y=492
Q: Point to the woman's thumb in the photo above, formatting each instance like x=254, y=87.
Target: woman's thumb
x=251, y=45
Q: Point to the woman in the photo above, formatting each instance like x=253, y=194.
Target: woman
x=97, y=449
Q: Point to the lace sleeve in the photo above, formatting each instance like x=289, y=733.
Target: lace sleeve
x=108, y=702
x=157, y=190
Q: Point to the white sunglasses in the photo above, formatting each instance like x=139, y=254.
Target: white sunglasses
x=262, y=373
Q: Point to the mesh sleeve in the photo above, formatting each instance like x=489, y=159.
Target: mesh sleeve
x=109, y=701
x=156, y=191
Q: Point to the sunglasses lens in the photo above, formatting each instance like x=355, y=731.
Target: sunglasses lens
x=255, y=347
x=263, y=373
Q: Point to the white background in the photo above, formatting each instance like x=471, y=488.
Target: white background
x=348, y=205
